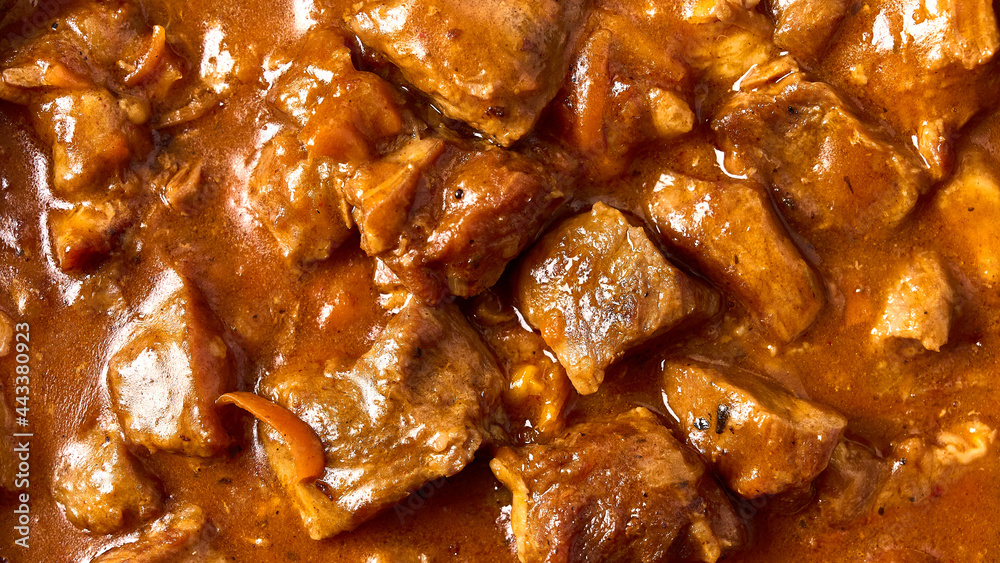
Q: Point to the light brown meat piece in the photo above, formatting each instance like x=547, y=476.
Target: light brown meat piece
x=596, y=287
x=760, y=438
x=344, y=114
x=101, y=487
x=829, y=170
x=169, y=366
x=185, y=534
x=493, y=64
x=804, y=27
x=537, y=388
x=446, y=219
x=730, y=231
x=414, y=408
x=925, y=67
x=299, y=200
x=847, y=488
x=919, y=304
x=621, y=489
x=966, y=210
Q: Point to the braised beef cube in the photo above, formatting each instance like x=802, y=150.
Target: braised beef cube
x=414, y=408
x=925, y=68
x=596, y=286
x=101, y=486
x=344, y=113
x=537, y=388
x=760, y=438
x=493, y=64
x=621, y=489
x=448, y=219
x=828, y=169
x=966, y=210
x=730, y=231
x=91, y=139
x=86, y=234
x=171, y=366
x=804, y=27
x=299, y=200
x=847, y=489
x=919, y=304
x=182, y=535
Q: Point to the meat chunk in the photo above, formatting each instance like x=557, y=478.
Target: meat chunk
x=448, y=219
x=925, y=67
x=414, y=408
x=730, y=231
x=91, y=139
x=919, y=304
x=170, y=365
x=101, y=486
x=537, y=387
x=760, y=438
x=300, y=200
x=804, y=27
x=847, y=489
x=921, y=467
x=344, y=114
x=85, y=234
x=596, y=286
x=493, y=64
x=182, y=535
x=966, y=210
x=828, y=169
x=615, y=490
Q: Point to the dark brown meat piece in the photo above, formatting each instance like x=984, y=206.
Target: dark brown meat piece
x=85, y=234
x=919, y=304
x=299, y=200
x=184, y=534
x=761, y=439
x=730, y=231
x=828, y=169
x=847, y=489
x=170, y=365
x=596, y=286
x=414, y=408
x=493, y=64
x=804, y=27
x=615, y=490
x=447, y=219
x=926, y=68
x=101, y=486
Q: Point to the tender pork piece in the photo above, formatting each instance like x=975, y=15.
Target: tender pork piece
x=447, y=218
x=86, y=233
x=829, y=170
x=925, y=67
x=493, y=64
x=804, y=27
x=299, y=200
x=761, y=439
x=184, y=534
x=730, y=231
x=345, y=114
x=615, y=490
x=919, y=304
x=170, y=365
x=414, y=408
x=596, y=286
x=101, y=486
x=966, y=209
